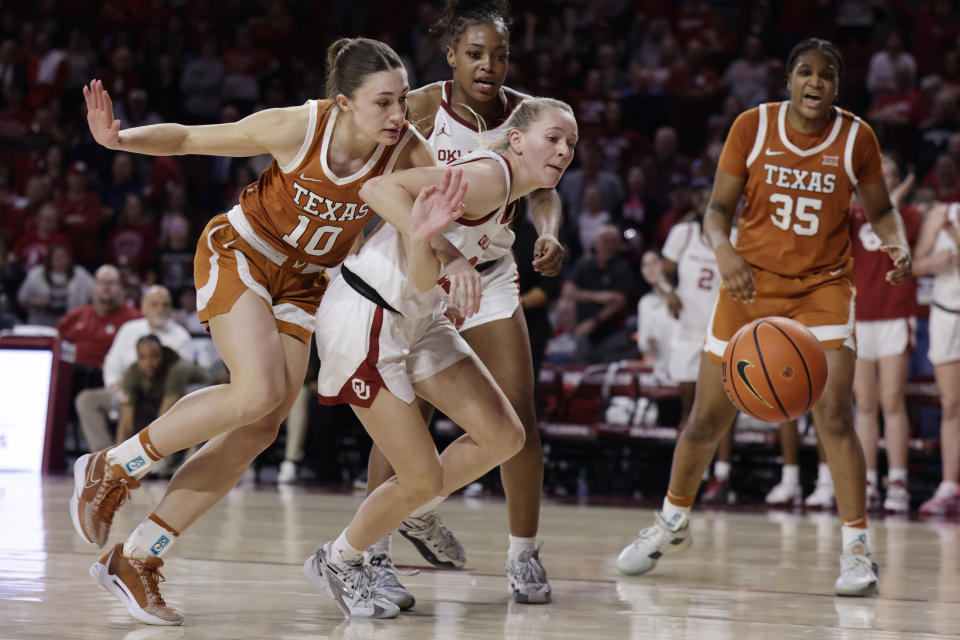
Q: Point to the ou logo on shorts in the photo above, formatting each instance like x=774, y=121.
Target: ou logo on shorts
x=360, y=388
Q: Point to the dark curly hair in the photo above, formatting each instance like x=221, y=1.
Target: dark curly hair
x=457, y=15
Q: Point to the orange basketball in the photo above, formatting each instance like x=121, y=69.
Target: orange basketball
x=774, y=369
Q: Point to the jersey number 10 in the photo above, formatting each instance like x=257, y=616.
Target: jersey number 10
x=331, y=233
x=808, y=222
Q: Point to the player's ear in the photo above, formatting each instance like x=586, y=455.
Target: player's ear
x=516, y=141
x=343, y=102
x=451, y=58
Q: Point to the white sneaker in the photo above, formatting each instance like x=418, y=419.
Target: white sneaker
x=385, y=580
x=434, y=541
x=351, y=585
x=785, y=494
x=661, y=537
x=527, y=579
x=859, y=572
x=898, y=498
x=823, y=497
x=288, y=472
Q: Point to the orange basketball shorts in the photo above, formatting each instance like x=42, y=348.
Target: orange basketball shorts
x=822, y=302
x=225, y=266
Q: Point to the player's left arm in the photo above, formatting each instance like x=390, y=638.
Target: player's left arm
x=547, y=214
x=877, y=205
x=888, y=225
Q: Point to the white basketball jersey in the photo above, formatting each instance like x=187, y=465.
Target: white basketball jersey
x=382, y=261
x=453, y=138
x=698, y=275
x=946, y=284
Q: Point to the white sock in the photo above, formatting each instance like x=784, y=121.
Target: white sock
x=518, y=545
x=872, y=476
x=423, y=510
x=947, y=488
x=721, y=470
x=790, y=475
x=897, y=475
x=149, y=540
x=344, y=552
x=673, y=514
x=850, y=534
x=132, y=457
x=823, y=474
x=382, y=546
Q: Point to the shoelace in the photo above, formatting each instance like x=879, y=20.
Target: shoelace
x=853, y=561
x=530, y=568
x=113, y=493
x=150, y=576
x=435, y=531
x=385, y=562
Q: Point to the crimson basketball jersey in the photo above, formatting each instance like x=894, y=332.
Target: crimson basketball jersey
x=797, y=190
x=302, y=210
x=877, y=299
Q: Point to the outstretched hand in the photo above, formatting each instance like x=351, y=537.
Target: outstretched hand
x=548, y=255
x=437, y=206
x=104, y=127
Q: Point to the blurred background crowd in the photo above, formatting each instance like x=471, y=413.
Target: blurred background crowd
x=655, y=85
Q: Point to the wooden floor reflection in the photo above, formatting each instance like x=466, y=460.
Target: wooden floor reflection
x=236, y=574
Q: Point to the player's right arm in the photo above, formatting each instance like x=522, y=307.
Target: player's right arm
x=735, y=272
x=279, y=132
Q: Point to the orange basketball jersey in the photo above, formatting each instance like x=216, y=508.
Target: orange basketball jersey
x=798, y=187
x=303, y=211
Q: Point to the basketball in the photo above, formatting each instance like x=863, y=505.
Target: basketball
x=774, y=369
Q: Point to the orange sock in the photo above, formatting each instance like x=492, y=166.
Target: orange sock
x=148, y=445
x=680, y=501
x=163, y=524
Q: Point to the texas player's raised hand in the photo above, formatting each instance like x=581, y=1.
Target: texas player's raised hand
x=437, y=206
x=104, y=127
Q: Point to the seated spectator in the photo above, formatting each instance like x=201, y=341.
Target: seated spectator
x=746, y=77
x=575, y=181
x=186, y=312
x=18, y=211
x=80, y=214
x=655, y=322
x=173, y=267
x=133, y=242
x=897, y=114
x=88, y=331
x=153, y=383
x=945, y=179
x=33, y=245
x=11, y=276
x=881, y=75
x=95, y=405
x=663, y=164
x=681, y=199
x=54, y=287
x=598, y=288
x=122, y=182
x=592, y=217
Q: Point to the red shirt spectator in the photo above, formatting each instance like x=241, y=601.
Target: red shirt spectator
x=92, y=327
x=33, y=245
x=80, y=212
x=877, y=299
x=133, y=242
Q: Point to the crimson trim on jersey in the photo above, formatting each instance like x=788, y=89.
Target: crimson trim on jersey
x=445, y=103
x=479, y=221
x=367, y=372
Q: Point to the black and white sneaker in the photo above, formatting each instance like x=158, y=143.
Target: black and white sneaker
x=434, y=541
x=351, y=585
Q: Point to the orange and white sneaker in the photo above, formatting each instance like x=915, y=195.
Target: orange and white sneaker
x=135, y=583
x=99, y=488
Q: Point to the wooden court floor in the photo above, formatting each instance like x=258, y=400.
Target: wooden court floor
x=237, y=574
